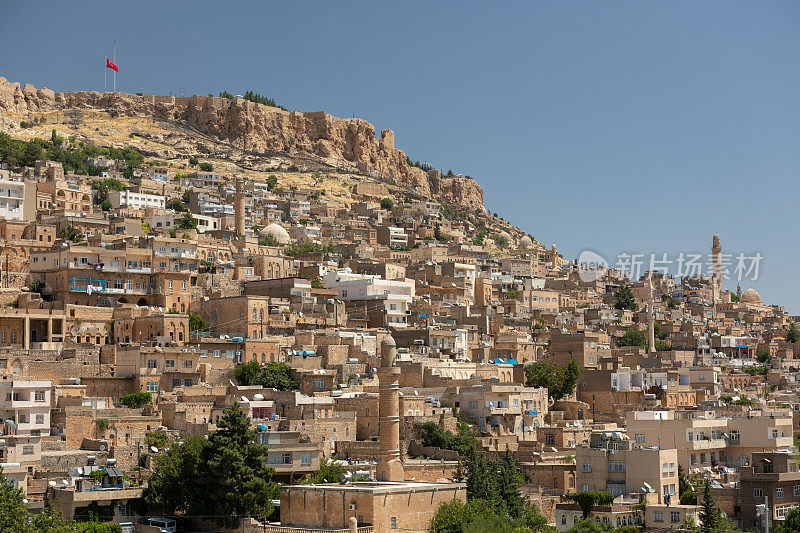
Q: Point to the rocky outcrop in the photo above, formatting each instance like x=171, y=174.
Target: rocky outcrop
x=261, y=130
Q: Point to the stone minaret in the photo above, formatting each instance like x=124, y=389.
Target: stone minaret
x=390, y=466
x=651, y=315
x=238, y=206
x=716, y=280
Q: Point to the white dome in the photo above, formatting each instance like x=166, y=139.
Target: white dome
x=278, y=231
x=525, y=242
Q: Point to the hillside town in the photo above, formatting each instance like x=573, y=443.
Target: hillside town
x=388, y=358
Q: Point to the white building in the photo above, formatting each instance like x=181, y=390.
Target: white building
x=135, y=199
x=170, y=220
x=12, y=199
x=396, y=295
x=25, y=405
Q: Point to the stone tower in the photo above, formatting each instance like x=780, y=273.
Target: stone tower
x=390, y=466
x=716, y=280
x=651, y=315
x=238, y=206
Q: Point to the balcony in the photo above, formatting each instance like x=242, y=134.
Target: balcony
x=707, y=444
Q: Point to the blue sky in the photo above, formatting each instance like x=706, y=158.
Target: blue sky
x=616, y=126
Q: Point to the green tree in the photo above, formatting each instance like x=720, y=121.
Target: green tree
x=70, y=233
x=559, y=381
x=500, y=240
x=193, y=161
x=271, y=375
x=791, y=523
x=763, y=355
x=588, y=500
x=793, y=335
x=135, y=400
x=633, y=337
x=386, y=203
x=176, y=205
x=187, y=221
x=269, y=240
x=709, y=514
x=462, y=442
x=196, y=322
x=623, y=298
x=13, y=512
x=206, y=167
x=225, y=476
x=329, y=472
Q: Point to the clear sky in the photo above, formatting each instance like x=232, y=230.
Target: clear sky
x=620, y=126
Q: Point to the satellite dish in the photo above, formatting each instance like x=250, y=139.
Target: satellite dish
x=51, y=483
x=153, y=449
x=102, y=447
x=80, y=471
x=244, y=399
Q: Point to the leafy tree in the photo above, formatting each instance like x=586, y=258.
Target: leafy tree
x=500, y=240
x=462, y=442
x=271, y=375
x=559, y=381
x=159, y=439
x=272, y=182
x=176, y=205
x=308, y=248
x=70, y=233
x=269, y=240
x=686, y=491
x=791, y=523
x=187, y=221
x=225, y=476
x=135, y=400
x=588, y=500
x=763, y=355
x=633, y=337
x=13, y=513
x=196, y=322
x=37, y=286
x=623, y=298
x=206, y=167
x=193, y=161
x=329, y=472
x=386, y=203
x=793, y=335
x=662, y=346
x=709, y=514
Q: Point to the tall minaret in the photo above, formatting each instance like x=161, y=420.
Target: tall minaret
x=651, y=315
x=238, y=206
x=716, y=280
x=390, y=466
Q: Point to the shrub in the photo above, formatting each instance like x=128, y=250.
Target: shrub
x=135, y=400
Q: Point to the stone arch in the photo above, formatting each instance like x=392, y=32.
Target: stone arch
x=142, y=302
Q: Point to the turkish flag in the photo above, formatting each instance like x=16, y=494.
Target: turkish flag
x=110, y=64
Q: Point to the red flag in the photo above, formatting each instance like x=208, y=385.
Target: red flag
x=110, y=64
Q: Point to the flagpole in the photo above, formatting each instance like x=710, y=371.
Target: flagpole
x=115, y=62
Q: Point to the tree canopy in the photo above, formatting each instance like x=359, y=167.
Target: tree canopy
x=559, y=381
x=271, y=375
x=225, y=476
x=623, y=298
x=633, y=337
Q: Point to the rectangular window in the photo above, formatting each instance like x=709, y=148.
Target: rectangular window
x=152, y=386
x=586, y=467
x=40, y=418
x=305, y=458
x=27, y=449
x=758, y=493
x=38, y=396
x=169, y=363
x=674, y=517
x=779, y=493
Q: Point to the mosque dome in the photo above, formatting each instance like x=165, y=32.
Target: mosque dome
x=278, y=231
x=525, y=242
x=750, y=296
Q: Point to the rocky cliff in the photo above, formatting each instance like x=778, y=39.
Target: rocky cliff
x=260, y=130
